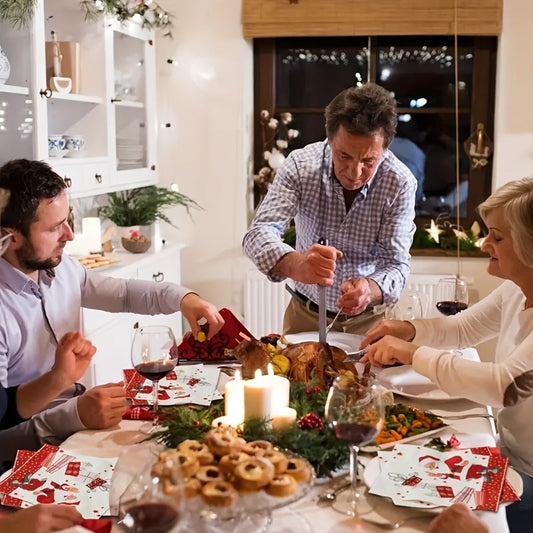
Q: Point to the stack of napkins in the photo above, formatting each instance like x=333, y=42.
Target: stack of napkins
x=53, y=475
x=186, y=384
x=415, y=476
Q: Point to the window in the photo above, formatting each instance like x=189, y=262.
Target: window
x=301, y=75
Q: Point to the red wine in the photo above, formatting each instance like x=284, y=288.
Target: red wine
x=451, y=308
x=156, y=369
x=150, y=518
x=356, y=433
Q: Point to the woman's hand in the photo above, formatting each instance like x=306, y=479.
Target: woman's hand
x=402, y=329
x=389, y=351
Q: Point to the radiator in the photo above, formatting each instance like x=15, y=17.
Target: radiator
x=265, y=302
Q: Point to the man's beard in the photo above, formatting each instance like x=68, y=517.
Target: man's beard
x=26, y=258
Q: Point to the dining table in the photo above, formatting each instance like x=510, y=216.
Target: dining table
x=310, y=514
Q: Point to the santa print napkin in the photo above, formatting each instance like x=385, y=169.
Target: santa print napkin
x=186, y=384
x=52, y=475
x=416, y=476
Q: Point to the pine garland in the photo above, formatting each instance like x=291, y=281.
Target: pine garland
x=319, y=446
x=17, y=12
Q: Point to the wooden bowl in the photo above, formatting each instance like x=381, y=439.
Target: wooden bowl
x=134, y=246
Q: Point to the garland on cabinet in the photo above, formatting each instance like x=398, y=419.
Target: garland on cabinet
x=151, y=15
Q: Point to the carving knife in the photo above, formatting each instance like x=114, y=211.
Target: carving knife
x=322, y=316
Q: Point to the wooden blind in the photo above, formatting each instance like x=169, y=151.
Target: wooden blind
x=322, y=18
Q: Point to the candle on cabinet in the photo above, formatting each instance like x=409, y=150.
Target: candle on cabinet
x=280, y=390
x=92, y=232
x=258, y=396
x=283, y=418
x=234, y=398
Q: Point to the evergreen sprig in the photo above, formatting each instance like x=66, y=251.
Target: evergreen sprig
x=17, y=12
x=319, y=446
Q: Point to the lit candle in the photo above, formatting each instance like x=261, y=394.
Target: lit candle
x=280, y=390
x=92, y=232
x=258, y=396
x=283, y=418
x=234, y=398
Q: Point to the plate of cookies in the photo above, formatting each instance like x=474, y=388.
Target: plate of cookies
x=96, y=261
x=226, y=477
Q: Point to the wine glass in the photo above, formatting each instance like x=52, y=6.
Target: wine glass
x=355, y=412
x=452, y=296
x=154, y=504
x=408, y=307
x=154, y=353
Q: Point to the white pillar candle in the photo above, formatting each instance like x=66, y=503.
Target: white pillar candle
x=280, y=390
x=92, y=231
x=283, y=418
x=258, y=396
x=234, y=398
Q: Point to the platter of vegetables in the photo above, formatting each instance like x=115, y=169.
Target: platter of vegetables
x=404, y=424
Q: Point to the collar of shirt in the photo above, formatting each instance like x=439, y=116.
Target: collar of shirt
x=16, y=280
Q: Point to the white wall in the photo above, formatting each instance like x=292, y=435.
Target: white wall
x=208, y=98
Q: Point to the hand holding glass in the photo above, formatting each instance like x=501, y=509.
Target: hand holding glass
x=154, y=353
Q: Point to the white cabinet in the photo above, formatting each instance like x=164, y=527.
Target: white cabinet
x=112, y=105
x=112, y=333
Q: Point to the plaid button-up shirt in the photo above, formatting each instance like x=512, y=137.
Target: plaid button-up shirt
x=374, y=235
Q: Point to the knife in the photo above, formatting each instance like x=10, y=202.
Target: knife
x=322, y=316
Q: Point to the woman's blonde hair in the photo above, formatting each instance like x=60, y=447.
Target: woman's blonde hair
x=515, y=199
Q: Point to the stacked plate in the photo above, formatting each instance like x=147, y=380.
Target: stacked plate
x=130, y=153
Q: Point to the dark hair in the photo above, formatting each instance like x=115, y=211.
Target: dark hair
x=363, y=110
x=28, y=182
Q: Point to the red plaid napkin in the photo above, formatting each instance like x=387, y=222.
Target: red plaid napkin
x=138, y=412
x=191, y=349
x=100, y=525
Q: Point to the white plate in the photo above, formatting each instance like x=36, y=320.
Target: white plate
x=371, y=472
x=349, y=342
x=57, y=154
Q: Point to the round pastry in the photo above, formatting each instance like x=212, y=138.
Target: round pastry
x=223, y=442
x=253, y=474
x=209, y=473
x=278, y=459
x=188, y=463
x=193, y=447
x=219, y=494
x=228, y=462
x=258, y=447
x=281, y=486
x=192, y=487
x=298, y=469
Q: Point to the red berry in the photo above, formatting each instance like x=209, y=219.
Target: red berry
x=317, y=389
x=310, y=421
x=196, y=423
x=308, y=391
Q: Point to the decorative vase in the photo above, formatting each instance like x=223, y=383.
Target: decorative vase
x=5, y=68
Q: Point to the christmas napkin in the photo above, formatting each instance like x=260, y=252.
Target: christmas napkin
x=52, y=475
x=186, y=384
x=212, y=350
x=416, y=476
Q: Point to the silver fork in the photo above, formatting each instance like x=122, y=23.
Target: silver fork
x=330, y=325
x=466, y=415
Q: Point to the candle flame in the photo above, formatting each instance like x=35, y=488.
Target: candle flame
x=270, y=369
x=258, y=373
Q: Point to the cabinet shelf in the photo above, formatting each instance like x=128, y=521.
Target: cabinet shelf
x=71, y=97
x=14, y=89
x=129, y=103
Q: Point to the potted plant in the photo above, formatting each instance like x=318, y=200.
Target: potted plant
x=143, y=206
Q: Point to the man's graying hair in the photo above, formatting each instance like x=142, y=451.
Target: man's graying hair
x=364, y=110
x=27, y=182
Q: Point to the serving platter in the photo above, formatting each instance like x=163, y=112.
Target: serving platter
x=349, y=342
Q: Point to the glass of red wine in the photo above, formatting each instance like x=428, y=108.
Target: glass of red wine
x=154, y=353
x=452, y=296
x=355, y=412
x=151, y=504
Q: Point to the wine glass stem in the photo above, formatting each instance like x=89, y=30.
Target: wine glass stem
x=354, y=477
x=156, y=402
